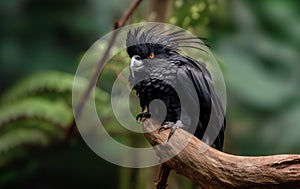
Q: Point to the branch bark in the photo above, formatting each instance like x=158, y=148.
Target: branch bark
x=215, y=169
x=161, y=181
x=121, y=22
x=92, y=83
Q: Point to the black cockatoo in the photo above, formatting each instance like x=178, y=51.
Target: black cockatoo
x=159, y=71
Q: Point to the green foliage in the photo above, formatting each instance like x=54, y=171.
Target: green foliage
x=39, y=84
x=256, y=42
x=29, y=119
x=17, y=140
x=56, y=112
x=194, y=15
x=260, y=57
x=37, y=112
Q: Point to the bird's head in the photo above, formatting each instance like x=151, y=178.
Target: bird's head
x=147, y=48
x=150, y=49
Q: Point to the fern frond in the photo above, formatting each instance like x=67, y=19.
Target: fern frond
x=48, y=82
x=37, y=112
x=13, y=143
x=23, y=136
x=56, y=112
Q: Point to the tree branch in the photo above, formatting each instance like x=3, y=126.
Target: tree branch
x=161, y=181
x=215, y=169
x=121, y=22
x=92, y=83
x=101, y=62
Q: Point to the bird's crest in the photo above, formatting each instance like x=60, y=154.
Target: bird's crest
x=142, y=39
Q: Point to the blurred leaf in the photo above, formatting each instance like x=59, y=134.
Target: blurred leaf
x=252, y=84
x=282, y=132
x=22, y=136
x=45, y=82
x=56, y=112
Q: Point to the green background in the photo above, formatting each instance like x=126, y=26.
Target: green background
x=42, y=42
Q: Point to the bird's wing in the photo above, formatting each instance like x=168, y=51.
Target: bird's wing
x=212, y=124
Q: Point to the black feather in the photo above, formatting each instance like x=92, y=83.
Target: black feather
x=169, y=69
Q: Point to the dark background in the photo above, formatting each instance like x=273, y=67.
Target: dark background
x=42, y=42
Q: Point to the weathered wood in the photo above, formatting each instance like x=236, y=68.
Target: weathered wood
x=161, y=180
x=214, y=169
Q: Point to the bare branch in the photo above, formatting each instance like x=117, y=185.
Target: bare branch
x=100, y=64
x=161, y=181
x=121, y=22
x=215, y=169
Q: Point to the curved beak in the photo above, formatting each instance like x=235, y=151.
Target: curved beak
x=136, y=65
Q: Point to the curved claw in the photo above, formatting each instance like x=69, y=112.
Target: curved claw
x=172, y=132
x=142, y=115
x=165, y=126
x=171, y=125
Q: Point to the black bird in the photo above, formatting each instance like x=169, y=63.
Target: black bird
x=159, y=71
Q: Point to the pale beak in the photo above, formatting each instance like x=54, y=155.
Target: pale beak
x=136, y=65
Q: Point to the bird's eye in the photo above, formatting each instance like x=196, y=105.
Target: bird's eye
x=151, y=55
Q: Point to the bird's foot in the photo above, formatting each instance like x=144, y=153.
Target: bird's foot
x=172, y=125
x=142, y=115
